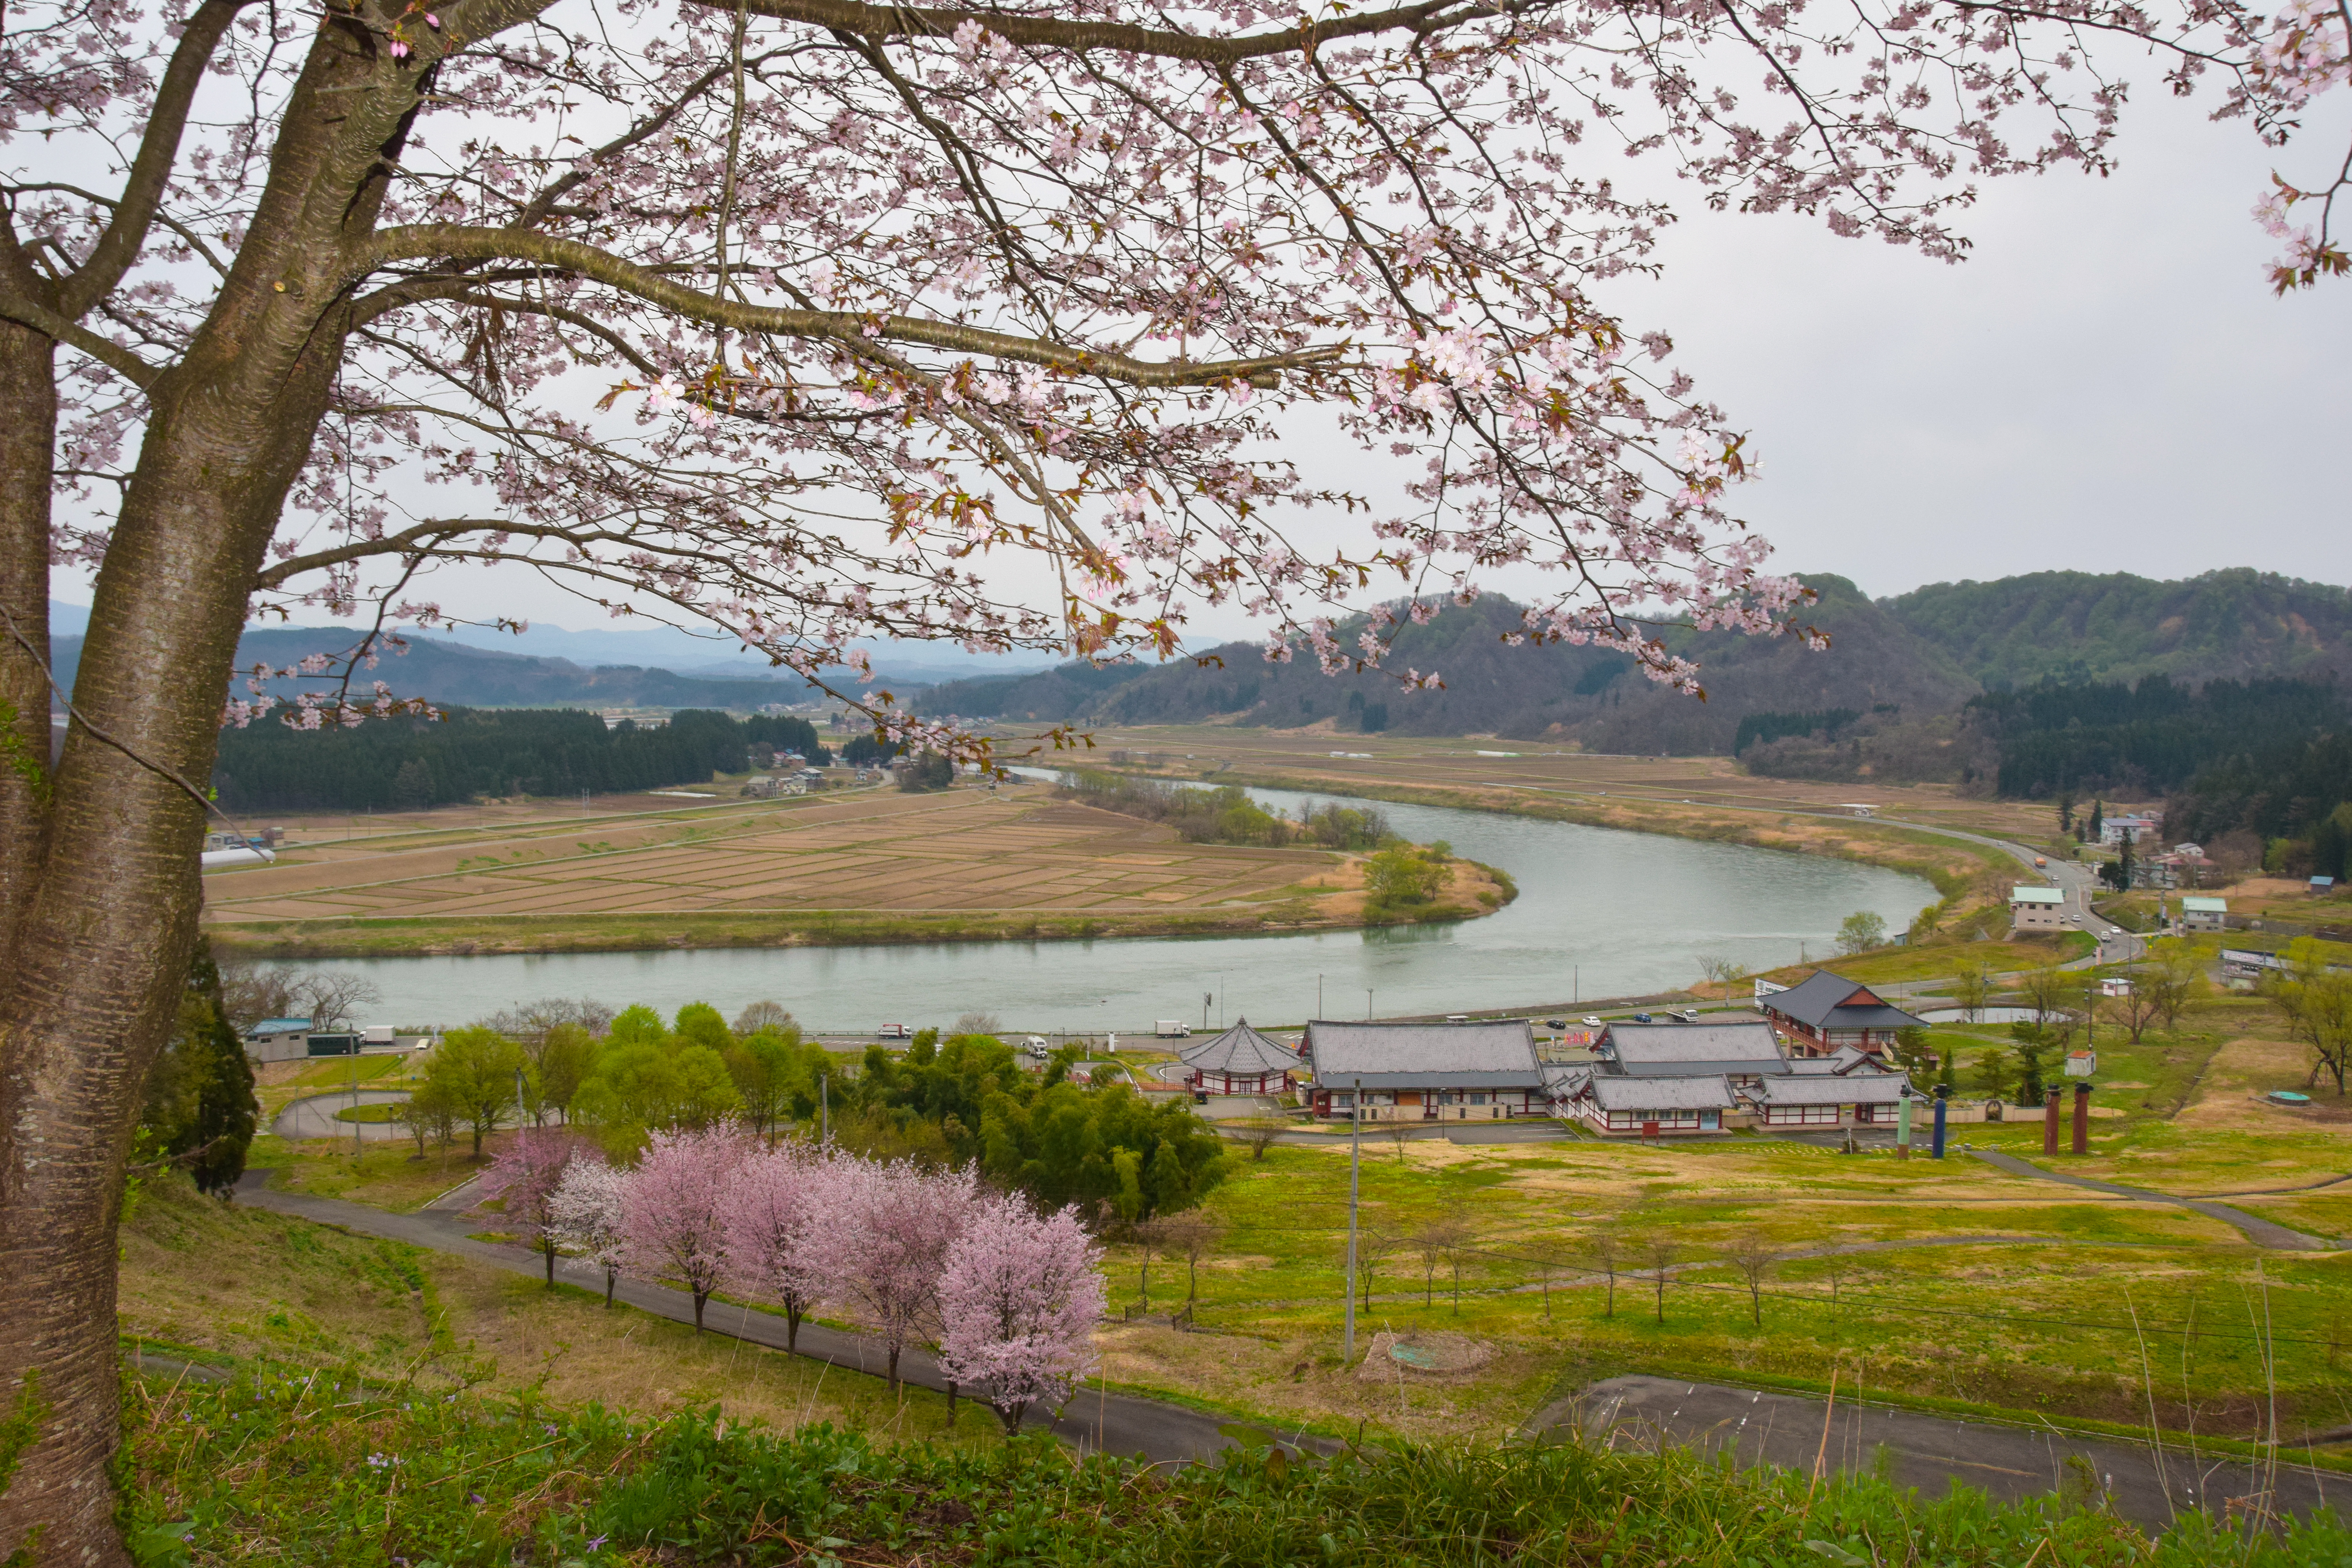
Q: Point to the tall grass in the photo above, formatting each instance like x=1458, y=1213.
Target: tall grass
x=317, y=1469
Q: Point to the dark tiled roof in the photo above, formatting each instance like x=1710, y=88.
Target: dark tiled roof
x=1241, y=1051
x=1409, y=1056
x=1689, y=1092
x=1646, y=1043
x=1857, y=1089
x=1818, y=1002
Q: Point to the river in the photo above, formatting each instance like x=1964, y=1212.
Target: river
x=1601, y=912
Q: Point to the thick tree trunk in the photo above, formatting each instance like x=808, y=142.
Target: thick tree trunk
x=93, y=971
x=28, y=427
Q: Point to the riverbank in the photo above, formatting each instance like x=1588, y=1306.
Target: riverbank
x=1469, y=890
x=1973, y=879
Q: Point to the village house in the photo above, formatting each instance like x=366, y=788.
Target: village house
x=1239, y=1061
x=2143, y=828
x=1658, y=1079
x=1485, y=1071
x=1825, y=1011
x=2204, y=914
x=279, y=1039
x=2037, y=908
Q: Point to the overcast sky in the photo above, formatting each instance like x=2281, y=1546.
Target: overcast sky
x=2108, y=384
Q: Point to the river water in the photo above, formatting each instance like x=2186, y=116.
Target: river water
x=1601, y=912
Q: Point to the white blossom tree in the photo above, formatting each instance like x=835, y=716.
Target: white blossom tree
x=795, y=319
x=1019, y=1299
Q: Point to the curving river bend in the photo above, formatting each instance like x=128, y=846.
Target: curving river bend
x=1601, y=912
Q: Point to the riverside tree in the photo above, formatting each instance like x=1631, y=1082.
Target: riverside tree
x=302, y=306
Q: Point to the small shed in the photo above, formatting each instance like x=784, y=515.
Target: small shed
x=2037, y=908
x=2204, y=914
x=1239, y=1061
x=2322, y=887
x=279, y=1039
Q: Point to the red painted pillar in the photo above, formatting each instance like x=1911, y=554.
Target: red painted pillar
x=2082, y=1118
x=2051, y=1116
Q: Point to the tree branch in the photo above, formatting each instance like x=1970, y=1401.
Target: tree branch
x=150, y=171
x=885, y=22
x=451, y=242
x=50, y=324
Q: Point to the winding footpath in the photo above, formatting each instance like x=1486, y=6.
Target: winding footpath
x=2261, y=1232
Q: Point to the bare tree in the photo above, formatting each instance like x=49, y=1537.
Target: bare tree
x=1723, y=971
x=1258, y=1136
x=2137, y=1007
x=2174, y=976
x=1970, y=987
x=1371, y=1246
x=1431, y=1242
x=1606, y=1248
x=1754, y=1255
x=1395, y=1132
x=2048, y=990
x=1191, y=1235
x=1458, y=1232
x=762, y=1016
x=977, y=1023
x=251, y=991
x=330, y=997
x=1661, y=1252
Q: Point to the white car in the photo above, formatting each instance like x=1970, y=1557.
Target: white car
x=1591, y=1022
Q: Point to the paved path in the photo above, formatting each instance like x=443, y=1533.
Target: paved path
x=2261, y=1232
x=1094, y=1420
x=2145, y=1485
x=315, y=1117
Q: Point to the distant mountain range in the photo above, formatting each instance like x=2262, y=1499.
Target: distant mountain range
x=550, y=667
x=1917, y=655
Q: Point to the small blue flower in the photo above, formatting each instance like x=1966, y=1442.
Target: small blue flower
x=597, y=1543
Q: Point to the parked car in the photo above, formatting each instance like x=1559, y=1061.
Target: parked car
x=1643, y=1018
x=894, y=1032
x=1592, y=1021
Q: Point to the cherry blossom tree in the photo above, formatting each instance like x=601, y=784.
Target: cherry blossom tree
x=1019, y=1299
x=772, y=1209
x=883, y=1242
x=585, y=1212
x=526, y=1174
x=672, y=1221
x=800, y=321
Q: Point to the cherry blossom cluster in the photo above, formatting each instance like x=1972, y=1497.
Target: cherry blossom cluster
x=1009, y=1295
x=1000, y=327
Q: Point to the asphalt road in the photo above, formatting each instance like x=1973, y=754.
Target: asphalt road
x=2261, y=1232
x=315, y=1117
x=2144, y=1485
x=1094, y=1421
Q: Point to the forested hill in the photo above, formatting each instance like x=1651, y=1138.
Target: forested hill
x=449, y=672
x=2071, y=626
x=1492, y=688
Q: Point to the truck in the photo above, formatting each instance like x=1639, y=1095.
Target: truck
x=1171, y=1028
x=894, y=1032
x=2041, y=862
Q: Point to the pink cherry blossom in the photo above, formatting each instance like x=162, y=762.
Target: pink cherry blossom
x=672, y=1223
x=883, y=1240
x=1019, y=1297
x=777, y=1200
x=526, y=1173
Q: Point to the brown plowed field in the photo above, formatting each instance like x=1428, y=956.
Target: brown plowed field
x=968, y=849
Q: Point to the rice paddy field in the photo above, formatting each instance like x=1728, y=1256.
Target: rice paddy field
x=864, y=865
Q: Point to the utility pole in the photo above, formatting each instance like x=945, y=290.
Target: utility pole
x=1367, y=1003
x=1318, y=996
x=522, y=1109
x=1355, y=1164
x=355, y=1096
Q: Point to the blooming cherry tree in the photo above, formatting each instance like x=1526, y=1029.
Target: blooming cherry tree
x=672, y=1226
x=883, y=1240
x=526, y=1174
x=1018, y=1301
x=808, y=322
x=584, y=1213
x=774, y=1209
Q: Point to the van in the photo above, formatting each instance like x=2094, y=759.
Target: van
x=1457, y=1017
x=1172, y=1029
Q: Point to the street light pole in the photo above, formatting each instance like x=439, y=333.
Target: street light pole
x=1355, y=1164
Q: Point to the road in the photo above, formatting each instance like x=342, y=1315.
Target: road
x=315, y=1117
x=1094, y=1421
x=2145, y=1485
